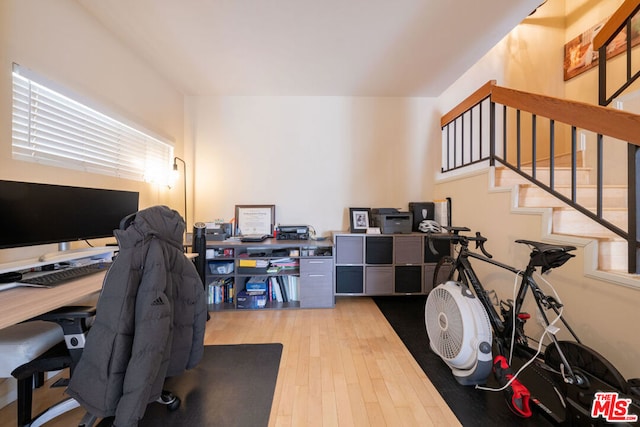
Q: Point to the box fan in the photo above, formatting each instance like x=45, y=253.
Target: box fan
x=459, y=332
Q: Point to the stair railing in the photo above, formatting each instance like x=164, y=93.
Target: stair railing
x=517, y=129
x=621, y=20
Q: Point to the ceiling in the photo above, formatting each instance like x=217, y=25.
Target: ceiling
x=310, y=47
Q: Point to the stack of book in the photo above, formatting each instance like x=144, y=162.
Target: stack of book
x=283, y=288
x=252, y=266
x=257, y=284
x=220, y=291
x=283, y=265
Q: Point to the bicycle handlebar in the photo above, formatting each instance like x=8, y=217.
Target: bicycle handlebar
x=458, y=238
x=479, y=239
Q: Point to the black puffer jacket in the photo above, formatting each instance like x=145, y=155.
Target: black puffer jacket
x=150, y=320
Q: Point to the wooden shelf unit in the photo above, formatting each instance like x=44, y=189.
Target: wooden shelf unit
x=311, y=276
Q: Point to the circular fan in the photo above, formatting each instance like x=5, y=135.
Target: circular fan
x=459, y=332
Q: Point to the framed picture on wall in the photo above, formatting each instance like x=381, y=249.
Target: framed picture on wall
x=255, y=219
x=359, y=219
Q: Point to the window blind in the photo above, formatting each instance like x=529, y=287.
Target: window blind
x=52, y=129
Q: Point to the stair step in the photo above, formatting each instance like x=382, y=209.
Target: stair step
x=563, y=160
x=612, y=255
x=613, y=196
x=562, y=176
x=612, y=249
x=571, y=222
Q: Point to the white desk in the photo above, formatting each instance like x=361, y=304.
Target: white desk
x=20, y=304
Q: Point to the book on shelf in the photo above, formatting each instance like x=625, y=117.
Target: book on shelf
x=294, y=288
x=276, y=293
x=259, y=263
x=256, y=283
x=247, y=262
x=220, y=291
x=285, y=263
x=274, y=269
x=284, y=288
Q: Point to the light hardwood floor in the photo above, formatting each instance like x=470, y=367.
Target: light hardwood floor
x=340, y=367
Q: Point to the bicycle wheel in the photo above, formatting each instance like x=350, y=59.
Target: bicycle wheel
x=588, y=360
x=446, y=270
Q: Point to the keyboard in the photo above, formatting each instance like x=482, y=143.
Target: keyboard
x=65, y=275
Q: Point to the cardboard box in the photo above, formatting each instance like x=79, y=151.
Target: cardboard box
x=248, y=300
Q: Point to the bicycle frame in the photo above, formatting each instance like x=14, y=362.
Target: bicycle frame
x=574, y=371
x=503, y=326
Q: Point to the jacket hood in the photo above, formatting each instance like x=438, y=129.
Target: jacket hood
x=161, y=222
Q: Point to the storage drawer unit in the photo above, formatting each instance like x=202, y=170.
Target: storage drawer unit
x=442, y=246
x=349, y=249
x=430, y=281
x=408, y=250
x=408, y=279
x=379, y=250
x=316, y=282
x=385, y=264
x=379, y=280
x=349, y=279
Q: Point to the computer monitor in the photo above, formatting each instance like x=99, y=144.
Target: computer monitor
x=36, y=214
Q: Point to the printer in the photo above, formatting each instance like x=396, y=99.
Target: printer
x=391, y=221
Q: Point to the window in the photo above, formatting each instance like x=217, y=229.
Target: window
x=52, y=129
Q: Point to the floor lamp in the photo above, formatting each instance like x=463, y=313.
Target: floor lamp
x=175, y=170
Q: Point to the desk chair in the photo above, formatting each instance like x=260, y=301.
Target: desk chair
x=168, y=314
x=69, y=326
x=60, y=334
x=25, y=342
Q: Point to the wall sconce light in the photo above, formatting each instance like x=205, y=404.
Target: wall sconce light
x=175, y=171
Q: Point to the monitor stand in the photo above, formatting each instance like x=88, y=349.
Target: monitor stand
x=64, y=253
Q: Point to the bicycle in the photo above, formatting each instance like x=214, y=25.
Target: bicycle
x=580, y=387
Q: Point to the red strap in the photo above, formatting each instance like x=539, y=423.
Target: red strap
x=518, y=395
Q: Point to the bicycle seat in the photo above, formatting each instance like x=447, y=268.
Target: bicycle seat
x=548, y=256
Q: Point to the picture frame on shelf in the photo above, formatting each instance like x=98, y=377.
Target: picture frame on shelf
x=359, y=219
x=255, y=219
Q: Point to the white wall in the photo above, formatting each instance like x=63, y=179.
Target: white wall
x=529, y=58
x=313, y=157
x=61, y=42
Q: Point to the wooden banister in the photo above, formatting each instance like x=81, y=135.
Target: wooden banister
x=603, y=120
x=477, y=96
x=615, y=23
x=462, y=148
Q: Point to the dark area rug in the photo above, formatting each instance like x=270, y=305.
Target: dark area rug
x=472, y=407
x=232, y=386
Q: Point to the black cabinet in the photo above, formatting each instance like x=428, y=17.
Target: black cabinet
x=408, y=279
x=349, y=279
x=442, y=248
x=379, y=250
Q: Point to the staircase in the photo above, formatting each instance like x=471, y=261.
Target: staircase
x=568, y=222
x=522, y=135
x=506, y=128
